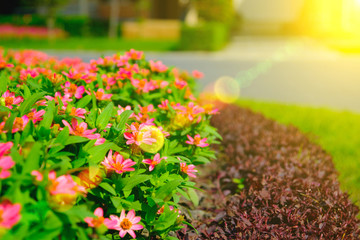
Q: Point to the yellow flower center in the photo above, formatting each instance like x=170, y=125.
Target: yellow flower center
x=19, y=122
x=126, y=224
x=99, y=95
x=197, y=140
x=9, y=101
x=30, y=115
x=72, y=88
x=79, y=130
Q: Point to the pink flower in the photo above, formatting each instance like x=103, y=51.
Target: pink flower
x=157, y=66
x=35, y=116
x=164, y=104
x=188, y=169
x=77, y=112
x=81, y=129
x=100, y=95
x=144, y=119
x=191, y=110
x=5, y=148
x=25, y=73
x=99, y=141
x=122, y=109
x=122, y=60
x=117, y=163
x=180, y=84
x=73, y=74
x=58, y=98
x=141, y=85
x=147, y=109
x=20, y=123
x=135, y=55
x=9, y=99
x=153, y=162
x=5, y=164
x=108, y=80
x=74, y=90
x=197, y=74
x=125, y=224
x=123, y=74
x=166, y=134
x=137, y=136
x=197, y=141
x=98, y=221
x=38, y=175
x=64, y=185
x=9, y=214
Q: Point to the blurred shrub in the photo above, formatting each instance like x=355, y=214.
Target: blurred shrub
x=208, y=36
x=98, y=27
x=20, y=20
x=76, y=26
x=216, y=10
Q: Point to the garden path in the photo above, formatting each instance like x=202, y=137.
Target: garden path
x=289, y=70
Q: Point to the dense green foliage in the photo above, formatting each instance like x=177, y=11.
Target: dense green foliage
x=207, y=36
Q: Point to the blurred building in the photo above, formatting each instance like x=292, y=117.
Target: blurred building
x=314, y=17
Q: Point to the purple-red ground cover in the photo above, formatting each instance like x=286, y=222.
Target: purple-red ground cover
x=269, y=182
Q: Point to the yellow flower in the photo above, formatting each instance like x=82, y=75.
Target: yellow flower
x=155, y=134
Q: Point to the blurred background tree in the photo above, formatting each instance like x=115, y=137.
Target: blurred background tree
x=51, y=8
x=216, y=10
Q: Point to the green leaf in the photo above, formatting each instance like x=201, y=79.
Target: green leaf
x=3, y=82
x=49, y=115
x=193, y=196
x=124, y=116
x=10, y=122
x=33, y=160
x=83, y=102
x=127, y=184
x=105, y=116
x=29, y=103
x=166, y=190
x=108, y=188
x=97, y=153
x=166, y=219
x=171, y=238
x=75, y=139
x=27, y=92
x=27, y=132
x=63, y=136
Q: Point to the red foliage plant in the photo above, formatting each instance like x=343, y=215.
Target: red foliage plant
x=290, y=189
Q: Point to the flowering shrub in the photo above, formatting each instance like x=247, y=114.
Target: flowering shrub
x=104, y=149
x=30, y=32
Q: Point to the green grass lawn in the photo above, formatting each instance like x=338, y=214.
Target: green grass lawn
x=337, y=132
x=99, y=44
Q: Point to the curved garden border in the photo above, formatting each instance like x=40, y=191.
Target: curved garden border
x=270, y=182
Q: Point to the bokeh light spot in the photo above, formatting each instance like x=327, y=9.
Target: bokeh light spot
x=227, y=89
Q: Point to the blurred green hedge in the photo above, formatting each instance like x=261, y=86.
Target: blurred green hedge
x=208, y=36
x=76, y=26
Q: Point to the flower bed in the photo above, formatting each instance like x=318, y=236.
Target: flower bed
x=270, y=182
x=28, y=32
x=97, y=150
